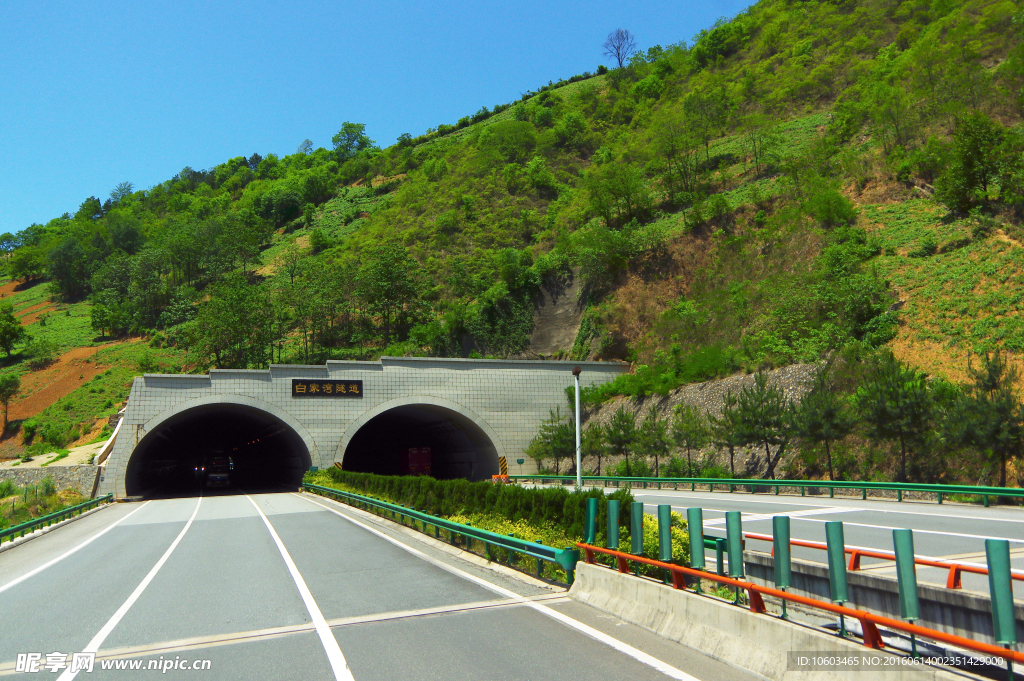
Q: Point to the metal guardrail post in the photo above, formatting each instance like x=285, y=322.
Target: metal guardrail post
x=590, y=521
x=720, y=551
x=906, y=579
x=836, y=548
x=1004, y=628
x=695, y=526
x=665, y=536
x=734, y=540
x=613, y=524
x=783, y=564
x=636, y=528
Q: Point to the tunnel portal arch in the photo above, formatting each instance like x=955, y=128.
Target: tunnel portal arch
x=267, y=449
x=462, y=444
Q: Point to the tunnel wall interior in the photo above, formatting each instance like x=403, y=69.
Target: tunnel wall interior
x=264, y=453
x=459, y=447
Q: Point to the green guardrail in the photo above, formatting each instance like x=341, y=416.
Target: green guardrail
x=565, y=558
x=940, y=491
x=43, y=521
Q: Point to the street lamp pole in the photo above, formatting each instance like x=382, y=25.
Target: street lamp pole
x=579, y=450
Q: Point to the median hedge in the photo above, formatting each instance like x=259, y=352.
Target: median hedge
x=558, y=506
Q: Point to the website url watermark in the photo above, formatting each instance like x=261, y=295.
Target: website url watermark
x=32, y=663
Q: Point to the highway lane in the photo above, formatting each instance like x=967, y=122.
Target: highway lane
x=949, y=531
x=205, y=579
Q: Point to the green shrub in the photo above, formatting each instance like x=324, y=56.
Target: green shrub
x=47, y=486
x=28, y=430
x=557, y=507
x=925, y=248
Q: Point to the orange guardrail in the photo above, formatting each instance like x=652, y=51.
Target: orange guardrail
x=869, y=622
x=953, y=578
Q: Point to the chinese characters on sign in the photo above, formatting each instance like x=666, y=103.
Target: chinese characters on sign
x=304, y=387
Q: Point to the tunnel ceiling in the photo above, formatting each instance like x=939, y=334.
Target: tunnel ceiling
x=265, y=453
x=460, y=449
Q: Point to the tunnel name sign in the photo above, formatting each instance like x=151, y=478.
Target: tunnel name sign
x=303, y=387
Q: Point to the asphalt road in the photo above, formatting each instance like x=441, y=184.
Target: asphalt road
x=286, y=586
x=948, y=531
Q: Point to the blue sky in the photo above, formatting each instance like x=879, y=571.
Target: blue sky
x=92, y=94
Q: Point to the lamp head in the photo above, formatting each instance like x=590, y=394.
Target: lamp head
x=576, y=371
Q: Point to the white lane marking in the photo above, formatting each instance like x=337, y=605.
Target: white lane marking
x=97, y=640
x=638, y=655
x=898, y=511
x=753, y=517
x=331, y=647
x=917, y=531
x=64, y=555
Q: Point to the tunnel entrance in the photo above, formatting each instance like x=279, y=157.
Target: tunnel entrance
x=219, y=448
x=458, y=447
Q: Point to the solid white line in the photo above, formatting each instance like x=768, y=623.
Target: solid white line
x=61, y=557
x=649, y=660
x=97, y=640
x=917, y=531
x=331, y=647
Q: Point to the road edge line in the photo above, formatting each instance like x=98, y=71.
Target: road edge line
x=54, y=561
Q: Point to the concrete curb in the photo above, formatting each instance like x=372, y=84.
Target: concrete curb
x=6, y=546
x=467, y=556
x=758, y=644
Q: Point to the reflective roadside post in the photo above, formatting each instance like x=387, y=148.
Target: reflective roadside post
x=576, y=371
x=837, y=567
x=783, y=566
x=695, y=526
x=906, y=579
x=1004, y=628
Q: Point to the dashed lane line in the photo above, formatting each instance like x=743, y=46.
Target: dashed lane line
x=334, y=655
x=101, y=635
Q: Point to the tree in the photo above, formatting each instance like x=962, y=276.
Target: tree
x=11, y=330
x=763, y=417
x=620, y=434
x=619, y=193
x=388, y=285
x=122, y=191
x=555, y=440
x=233, y=327
x=823, y=416
x=619, y=45
x=67, y=267
x=306, y=147
x=761, y=140
x=975, y=162
x=724, y=431
x=350, y=140
x=10, y=384
x=992, y=418
x=707, y=112
x=652, y=437
x=689, y=431
x=27, y=263
x=592, y=445
x=895, y=403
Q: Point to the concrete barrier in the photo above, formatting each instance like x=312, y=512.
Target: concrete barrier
x=759, y=644
x=953, y=611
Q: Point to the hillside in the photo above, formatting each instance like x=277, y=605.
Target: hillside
x=804, y=179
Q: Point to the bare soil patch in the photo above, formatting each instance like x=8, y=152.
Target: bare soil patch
x=42, y=388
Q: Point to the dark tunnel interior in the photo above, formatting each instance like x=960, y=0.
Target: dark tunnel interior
x=458, y=447
x=217, y=449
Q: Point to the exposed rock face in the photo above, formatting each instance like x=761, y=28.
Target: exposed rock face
x=794, y=380
x=556, y=318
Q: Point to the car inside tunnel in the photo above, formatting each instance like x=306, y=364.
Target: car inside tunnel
x=217, y=448
x=392, y=443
